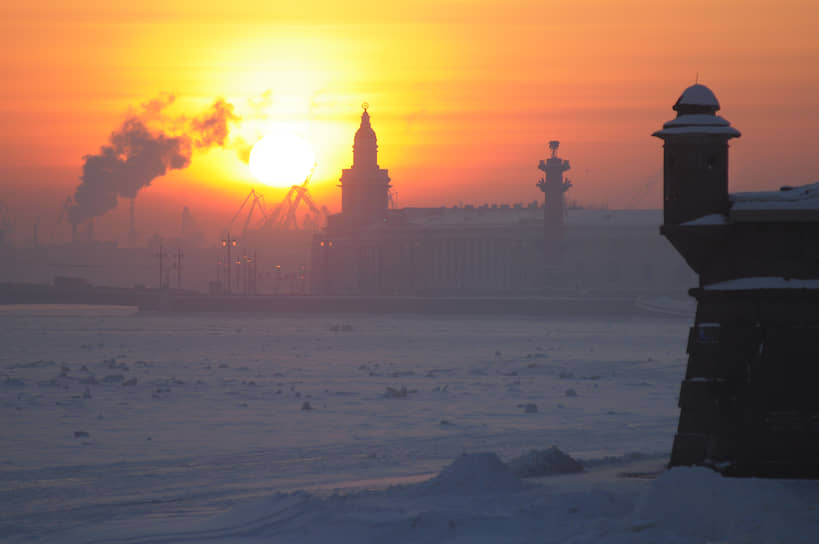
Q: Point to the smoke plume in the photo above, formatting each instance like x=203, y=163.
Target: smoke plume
x=136, y=155
x=152, y=109
x=212, y=127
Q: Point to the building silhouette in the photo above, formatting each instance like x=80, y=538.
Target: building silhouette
x=748, y=403
x=554, y=207
x=490, y=249
x=364, y=186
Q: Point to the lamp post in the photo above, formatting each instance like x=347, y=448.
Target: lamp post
x=238, y=263
x=228, y=243
x=302, y=276
x=179, y=256
x=162, y=255
x=249, y=280
x=255, y=271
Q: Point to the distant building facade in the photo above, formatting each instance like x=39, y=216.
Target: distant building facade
x=484, y=250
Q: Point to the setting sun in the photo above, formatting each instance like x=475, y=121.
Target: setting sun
x=282, y=158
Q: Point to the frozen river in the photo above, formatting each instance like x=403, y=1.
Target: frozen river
x=127, y=427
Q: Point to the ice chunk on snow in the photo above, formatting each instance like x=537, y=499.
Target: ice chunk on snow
x=544, y=463
x=474, y=473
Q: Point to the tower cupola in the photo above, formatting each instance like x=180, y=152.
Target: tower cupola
x=365, y=146
x=695, y=157
x=696, y=99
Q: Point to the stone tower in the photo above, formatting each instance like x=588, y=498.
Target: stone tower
x=748, y=402
x=695, y=158
x=364, y=186
x=554, y=207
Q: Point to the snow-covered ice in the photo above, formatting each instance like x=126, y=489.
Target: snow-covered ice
x=126, y=427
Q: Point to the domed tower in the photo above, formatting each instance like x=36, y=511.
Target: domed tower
x=364, y=186
x=365, y=144
x=695, y=158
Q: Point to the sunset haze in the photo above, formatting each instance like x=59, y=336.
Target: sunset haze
x=464, y=95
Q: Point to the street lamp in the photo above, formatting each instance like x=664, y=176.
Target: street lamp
x=302, y=276
x=249, y=282
x=228, y=243
x=238, y=262
x=162, y=254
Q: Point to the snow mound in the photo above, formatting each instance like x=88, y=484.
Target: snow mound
x=544, y=463
x=474, y=473
x=699, y=505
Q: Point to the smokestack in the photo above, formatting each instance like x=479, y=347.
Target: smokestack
x=132, y=231
x=90, y=230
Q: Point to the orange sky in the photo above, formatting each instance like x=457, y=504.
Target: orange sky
x=464, y=94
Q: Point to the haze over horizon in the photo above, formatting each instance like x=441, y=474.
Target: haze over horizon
x=464, y=95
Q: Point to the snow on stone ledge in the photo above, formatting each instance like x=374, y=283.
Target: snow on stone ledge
x=805, y=197
x=698, y=129
x=697, y=119
x=763, y=282
x=711, y=219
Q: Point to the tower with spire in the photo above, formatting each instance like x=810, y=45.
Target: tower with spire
x=364, y=186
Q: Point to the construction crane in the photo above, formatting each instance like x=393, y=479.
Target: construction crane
x=257, y=201
x=282, y=216
x=298, y=194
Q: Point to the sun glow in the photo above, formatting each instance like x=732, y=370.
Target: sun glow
x=282, y=158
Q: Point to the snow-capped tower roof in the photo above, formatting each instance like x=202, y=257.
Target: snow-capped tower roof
x=697, y=99
x=696, y=111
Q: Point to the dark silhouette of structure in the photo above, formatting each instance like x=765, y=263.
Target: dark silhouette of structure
x=364, y=186
x=371, y=249
x=695, y=158
x=748, y=404
x=554, y=207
